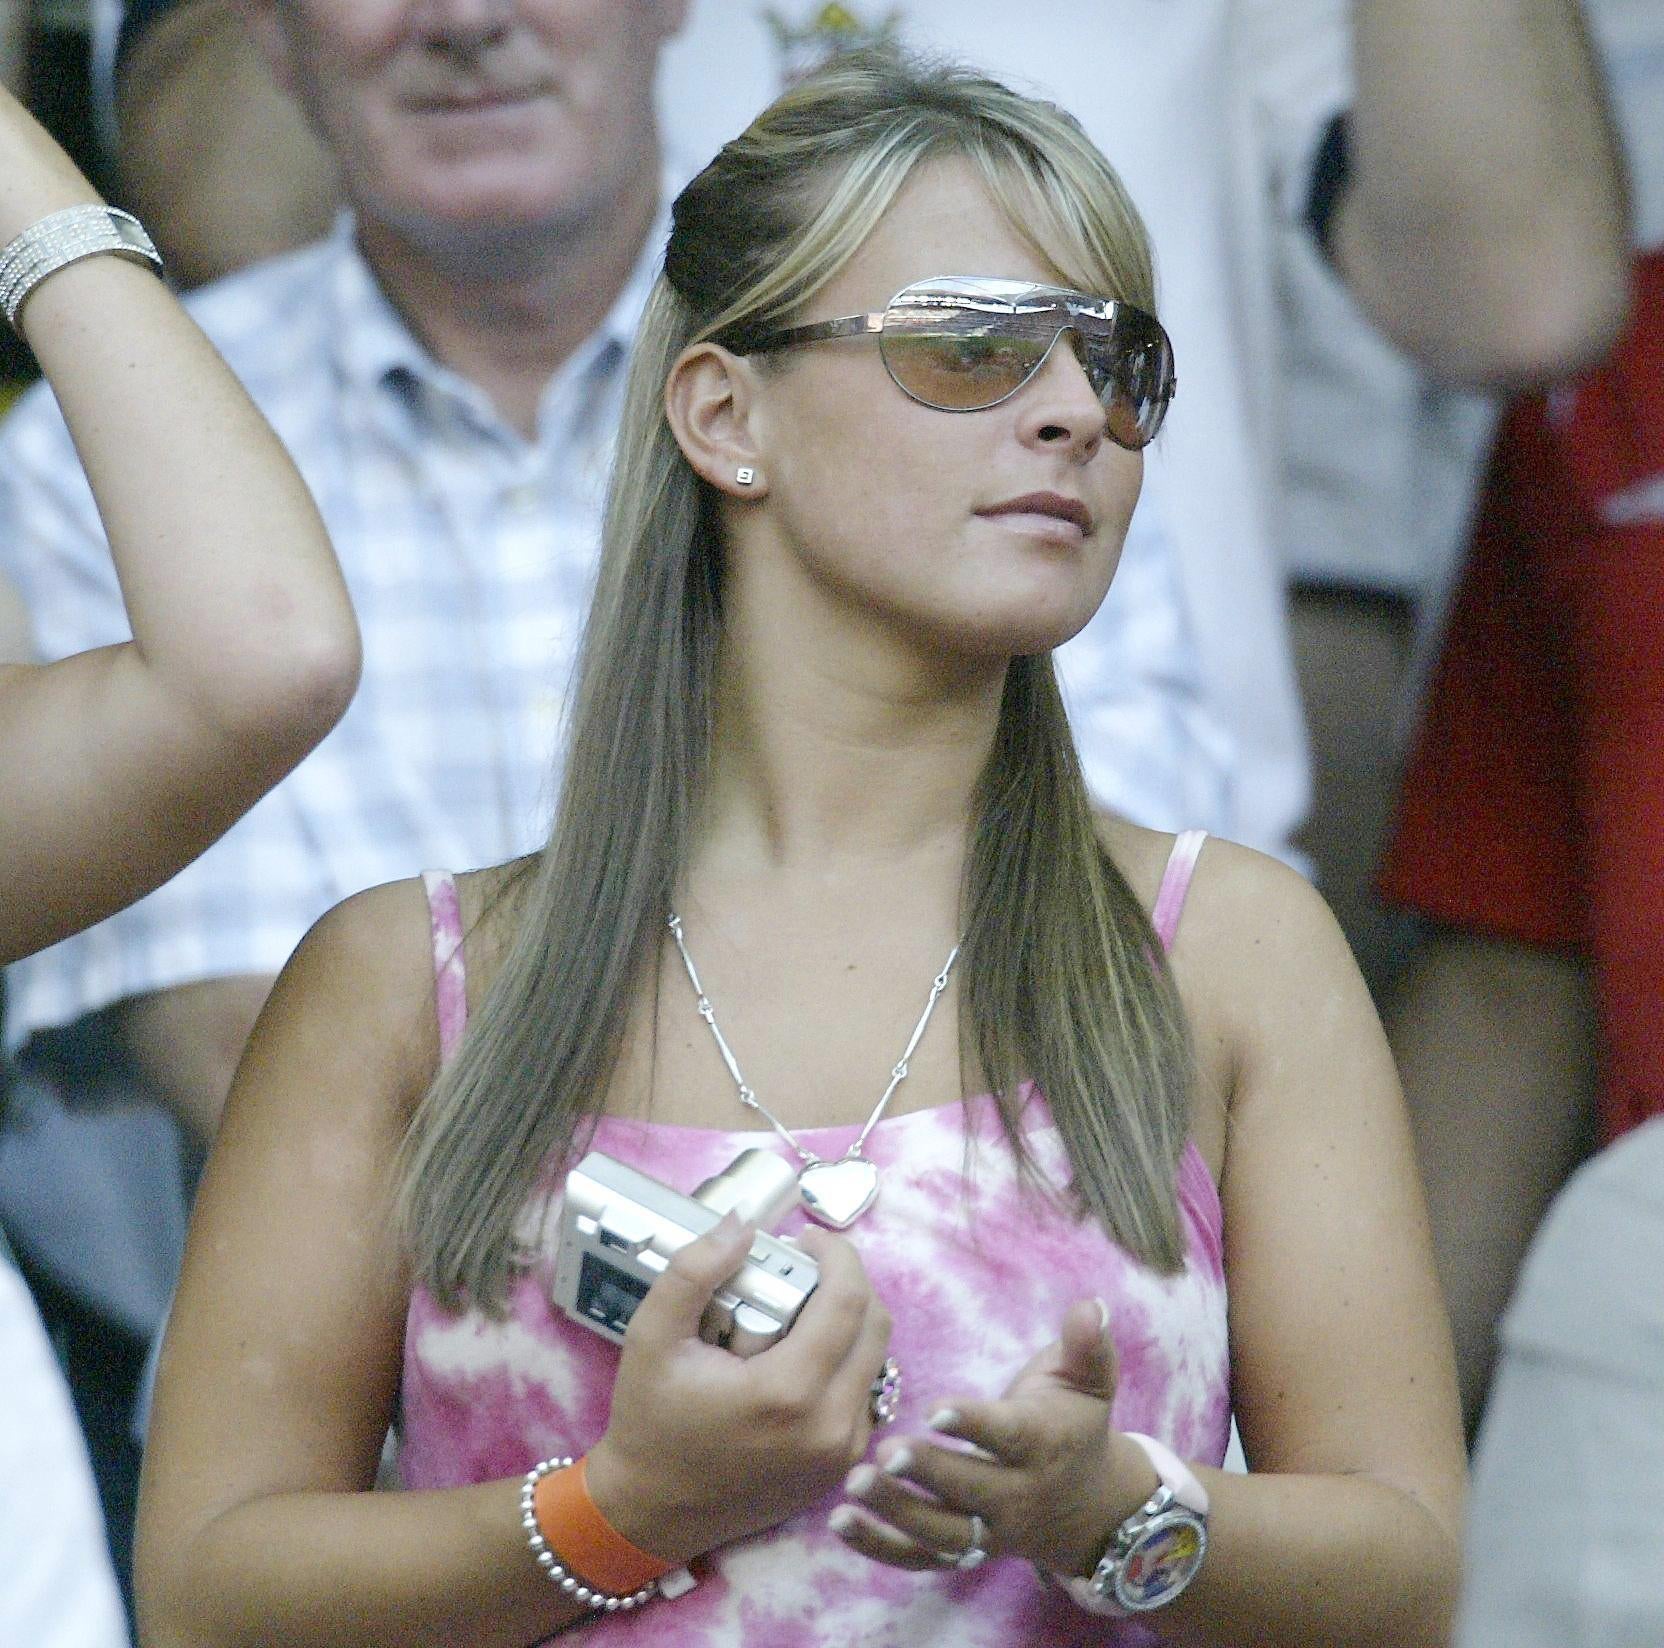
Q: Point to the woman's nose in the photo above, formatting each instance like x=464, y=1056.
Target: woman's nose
x=1058, y=404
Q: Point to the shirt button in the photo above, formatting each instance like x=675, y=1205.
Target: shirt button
x=525, y=499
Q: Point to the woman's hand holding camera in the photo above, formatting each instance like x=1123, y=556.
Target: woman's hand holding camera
x=1048, y=1478
x=705, y=1447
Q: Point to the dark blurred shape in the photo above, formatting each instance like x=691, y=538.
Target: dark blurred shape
x=57, y=89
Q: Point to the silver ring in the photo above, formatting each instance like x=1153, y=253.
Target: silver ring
x=974, y=1554
x=884, y=1398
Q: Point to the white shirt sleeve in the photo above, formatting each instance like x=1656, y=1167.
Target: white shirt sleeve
x=1566, y=1525
x=1151, y=746
x=57, y=1589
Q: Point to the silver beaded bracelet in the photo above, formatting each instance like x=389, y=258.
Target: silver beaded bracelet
x=559, y=1575
x=65, y=237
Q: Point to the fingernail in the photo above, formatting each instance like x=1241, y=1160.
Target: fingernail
x=859, y=1481
x=730, y=1225
x=943, y=1419
x=1103, y=1315
x=898, y=1462
x=841, y=1521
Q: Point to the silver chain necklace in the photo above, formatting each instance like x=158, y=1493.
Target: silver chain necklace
x=836, y=1193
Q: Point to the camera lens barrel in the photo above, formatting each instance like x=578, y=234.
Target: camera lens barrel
x=759, y=1185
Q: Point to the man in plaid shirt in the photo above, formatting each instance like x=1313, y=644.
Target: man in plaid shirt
x=446, y=368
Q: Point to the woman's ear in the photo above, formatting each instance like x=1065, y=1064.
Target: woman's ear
x=709, y=400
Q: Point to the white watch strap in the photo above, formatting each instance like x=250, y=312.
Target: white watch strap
x=1173, y=1471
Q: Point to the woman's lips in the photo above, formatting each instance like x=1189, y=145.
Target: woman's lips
x=1043, y=515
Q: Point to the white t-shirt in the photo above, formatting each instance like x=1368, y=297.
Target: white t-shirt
x=1164, y=88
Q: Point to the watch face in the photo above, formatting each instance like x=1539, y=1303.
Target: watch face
x=1163, y=1560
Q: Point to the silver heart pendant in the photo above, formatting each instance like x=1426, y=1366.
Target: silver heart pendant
x=838, y=1193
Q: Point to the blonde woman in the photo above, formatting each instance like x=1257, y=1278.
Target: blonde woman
x=119, y=766
x=825, y=882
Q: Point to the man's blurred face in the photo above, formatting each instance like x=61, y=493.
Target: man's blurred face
x=452, y=119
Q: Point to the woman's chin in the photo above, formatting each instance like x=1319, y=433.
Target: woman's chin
x=1034, y=626
x=1018, y=638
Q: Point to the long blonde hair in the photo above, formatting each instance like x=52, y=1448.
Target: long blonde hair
x=1063, y=980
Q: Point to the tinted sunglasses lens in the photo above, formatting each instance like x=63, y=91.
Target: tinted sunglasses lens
x=1130, y=364
x=956, y=373
x=954, y=355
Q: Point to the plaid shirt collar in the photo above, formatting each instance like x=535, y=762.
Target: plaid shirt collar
x=378, y=356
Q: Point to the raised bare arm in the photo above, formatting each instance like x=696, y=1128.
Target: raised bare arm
x=1486, y=227
x=119, y=766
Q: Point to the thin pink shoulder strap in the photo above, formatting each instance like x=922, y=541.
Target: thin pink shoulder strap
x=450, y=975
x=1175, y=884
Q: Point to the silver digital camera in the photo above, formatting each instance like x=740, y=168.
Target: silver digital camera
x=619, y=1229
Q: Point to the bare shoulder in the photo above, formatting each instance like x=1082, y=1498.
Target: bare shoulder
x=1256, y=941
x=1246, y=900
x=1251, y=924
x=356, y=997
x=363, y=977
x=1256, y=949
x=381, y=937
x=1239, y=898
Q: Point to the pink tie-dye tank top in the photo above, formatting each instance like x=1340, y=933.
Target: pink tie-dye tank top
x=976, y=1272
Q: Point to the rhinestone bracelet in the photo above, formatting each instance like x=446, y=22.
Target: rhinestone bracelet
x=558, y=1574
x=65, y=237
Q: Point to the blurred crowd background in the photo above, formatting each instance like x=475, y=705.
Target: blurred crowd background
x=1403, y=569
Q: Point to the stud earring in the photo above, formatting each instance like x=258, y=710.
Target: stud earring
x=745, y=476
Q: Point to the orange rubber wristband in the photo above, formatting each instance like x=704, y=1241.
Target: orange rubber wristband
x=587, y=1544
